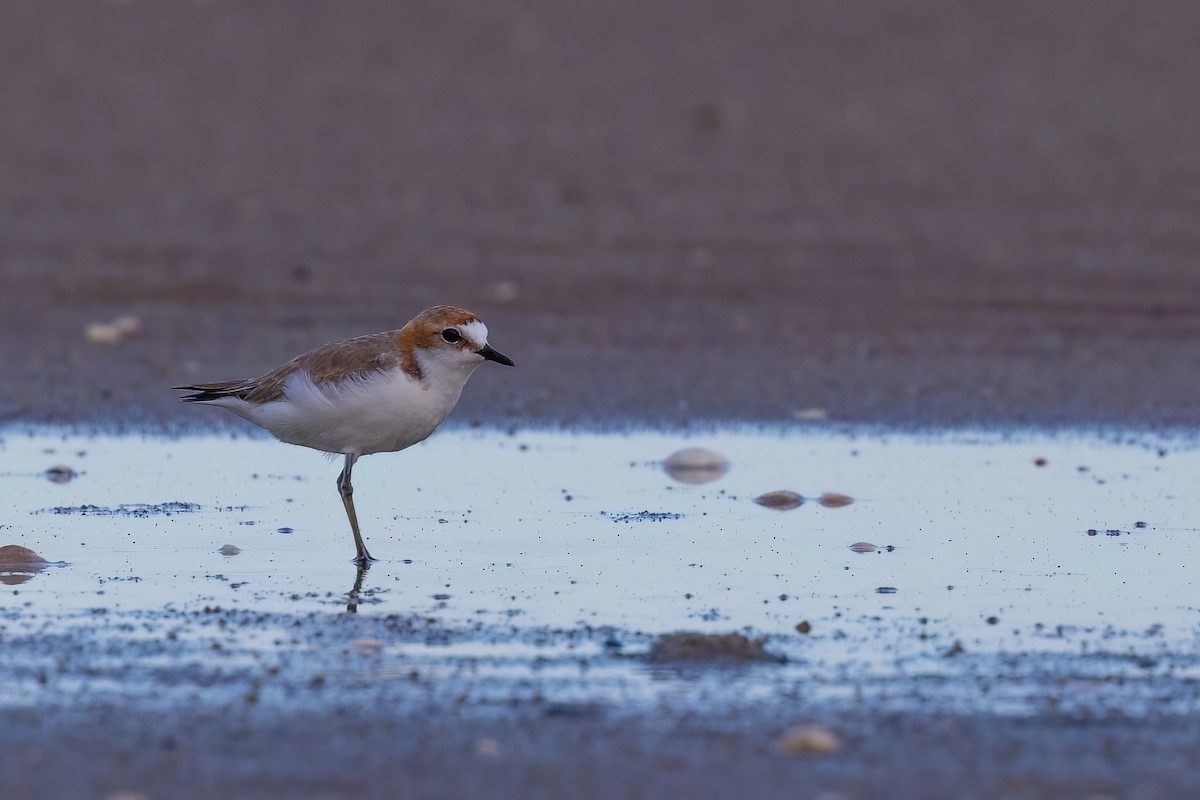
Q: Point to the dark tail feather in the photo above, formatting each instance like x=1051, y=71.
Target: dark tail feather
x=203, y=392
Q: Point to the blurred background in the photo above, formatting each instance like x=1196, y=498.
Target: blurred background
x=917, y=212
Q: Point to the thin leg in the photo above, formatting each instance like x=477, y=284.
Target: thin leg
x=362, y=557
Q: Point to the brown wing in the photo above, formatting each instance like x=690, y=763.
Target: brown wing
x=346, y=360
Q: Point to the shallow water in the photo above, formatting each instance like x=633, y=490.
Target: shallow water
x=539, y=565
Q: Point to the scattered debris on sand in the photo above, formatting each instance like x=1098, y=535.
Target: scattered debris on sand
x=127, y=509
x=643, y=516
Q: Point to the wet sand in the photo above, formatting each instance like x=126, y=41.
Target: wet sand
x=578, y=617
x=926, y=215
x=933, y=213
x=373, y=753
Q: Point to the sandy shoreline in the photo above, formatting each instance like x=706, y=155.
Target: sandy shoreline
x=985, y=218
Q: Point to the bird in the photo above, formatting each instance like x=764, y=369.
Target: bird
x=378, y=393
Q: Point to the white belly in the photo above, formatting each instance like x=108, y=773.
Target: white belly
x=379, y=413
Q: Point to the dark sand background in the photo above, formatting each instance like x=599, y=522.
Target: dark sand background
x=914, y=212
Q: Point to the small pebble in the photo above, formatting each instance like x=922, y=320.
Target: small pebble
x=113, y=332
x=782, y=500
x=229, y=550
x=835, y=500
x=60, y=474
x=506, y=291
x=696, y=465
x=487, y=747
x=863, y=547
x=808, y=740
x=14, y=555
x=367, y=647
x=712, y=647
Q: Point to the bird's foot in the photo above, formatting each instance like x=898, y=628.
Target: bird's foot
x=364, y=560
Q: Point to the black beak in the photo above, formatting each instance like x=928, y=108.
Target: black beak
x=494, y=355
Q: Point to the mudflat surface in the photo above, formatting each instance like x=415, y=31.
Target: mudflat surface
x=571, y=619
x=918, y=212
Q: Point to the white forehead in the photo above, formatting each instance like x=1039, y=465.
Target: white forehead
x=475, y=332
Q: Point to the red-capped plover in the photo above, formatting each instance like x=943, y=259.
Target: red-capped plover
x=372, y=394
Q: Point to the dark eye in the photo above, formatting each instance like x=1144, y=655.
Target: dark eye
x=452, y=336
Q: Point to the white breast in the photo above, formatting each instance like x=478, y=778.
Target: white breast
x=380, y=412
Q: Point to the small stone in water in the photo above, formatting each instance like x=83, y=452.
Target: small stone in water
x=712, y=647
x=696, y=465
x=14, y=555
x=229, y=550
x=835, y=500
x=60, y=474
x=782, y=500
